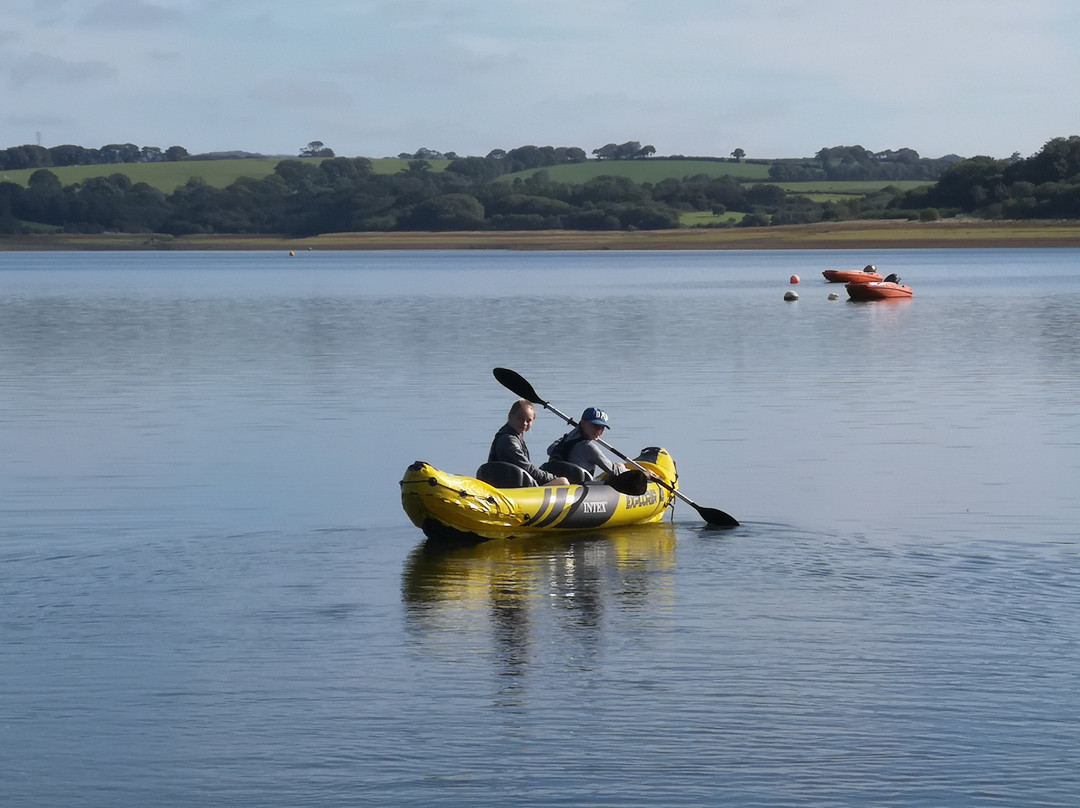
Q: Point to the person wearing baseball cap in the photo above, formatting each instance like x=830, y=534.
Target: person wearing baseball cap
x=596, y=417
x=579, y=446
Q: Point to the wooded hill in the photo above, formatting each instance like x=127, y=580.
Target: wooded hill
x=531, y=188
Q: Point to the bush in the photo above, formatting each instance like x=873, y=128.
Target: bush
x=756, y=219
x=448, y=212
x=594, y=219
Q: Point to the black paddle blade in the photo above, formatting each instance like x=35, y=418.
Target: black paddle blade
x=517, y=385
x=716, y=518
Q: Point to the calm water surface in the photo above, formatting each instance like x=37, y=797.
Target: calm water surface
x=209, y=594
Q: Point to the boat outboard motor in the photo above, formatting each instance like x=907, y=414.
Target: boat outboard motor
x=893, y=278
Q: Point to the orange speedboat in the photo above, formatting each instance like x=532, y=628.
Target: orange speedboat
x=879, y=290
x=867, y=275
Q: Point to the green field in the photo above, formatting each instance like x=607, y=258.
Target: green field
x=702, y=218
x=646, y=170
x=163, y=176
x=220, y=173
x=824, y=191
x=167, y=177
x=853, y=187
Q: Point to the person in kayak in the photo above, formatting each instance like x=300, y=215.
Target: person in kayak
x=509, y=444
x=579, y=446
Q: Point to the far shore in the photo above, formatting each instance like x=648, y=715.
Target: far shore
x=873, y=235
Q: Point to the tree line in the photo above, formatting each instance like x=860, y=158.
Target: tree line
x=1044, y=186
x=31, y=156
x=342, y=194
x=854, y=163
x=345, y=194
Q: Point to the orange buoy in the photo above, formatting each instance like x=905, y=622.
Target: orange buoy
x=794, y=278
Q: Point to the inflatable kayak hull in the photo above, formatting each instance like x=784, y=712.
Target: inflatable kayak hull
x=457, y=508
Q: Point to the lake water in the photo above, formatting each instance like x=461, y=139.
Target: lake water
x=209, y=593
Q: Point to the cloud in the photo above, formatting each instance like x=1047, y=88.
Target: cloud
x=131, y=14
x=777, y=78
x=293, y=93
x=36, y=121
x=485, y=52
x=40, y=68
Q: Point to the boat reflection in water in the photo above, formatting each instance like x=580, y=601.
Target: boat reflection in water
x=507, y=597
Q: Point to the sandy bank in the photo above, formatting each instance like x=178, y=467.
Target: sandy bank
x=825, y=236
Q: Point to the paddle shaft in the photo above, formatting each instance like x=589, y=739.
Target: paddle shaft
x=518, y=385
x=633, y=463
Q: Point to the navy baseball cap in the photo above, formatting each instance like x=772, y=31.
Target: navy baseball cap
x=595, y=415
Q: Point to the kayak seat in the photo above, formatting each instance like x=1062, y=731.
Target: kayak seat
x=500, y=474
x=571, y=471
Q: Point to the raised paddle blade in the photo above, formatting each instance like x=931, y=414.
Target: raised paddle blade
x=517, y=385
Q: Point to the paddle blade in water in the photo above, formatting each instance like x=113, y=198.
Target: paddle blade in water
x=717, y=518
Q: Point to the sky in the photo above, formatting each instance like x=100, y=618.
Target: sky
x=375, y=78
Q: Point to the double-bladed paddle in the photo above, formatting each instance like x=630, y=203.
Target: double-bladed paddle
x=520, y=387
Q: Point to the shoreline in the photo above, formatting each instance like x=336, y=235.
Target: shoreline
x=859, y=235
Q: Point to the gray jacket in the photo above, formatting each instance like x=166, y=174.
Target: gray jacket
x=586, y=453
x=509, y=447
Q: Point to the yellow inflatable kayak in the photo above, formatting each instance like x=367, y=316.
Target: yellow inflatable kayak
x=452, y=507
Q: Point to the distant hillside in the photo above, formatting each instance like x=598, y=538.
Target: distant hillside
x=554, y=189
x=219, y=173
x=168, y=176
